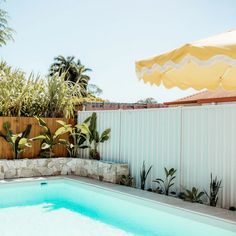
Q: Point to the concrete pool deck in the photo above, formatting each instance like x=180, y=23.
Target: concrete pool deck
x=196, y=208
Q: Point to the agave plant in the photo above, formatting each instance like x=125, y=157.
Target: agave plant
x=193, y=195
x=18, y=141
x=49, y=140
x=167, y=183
x=127, y=180
x=215, y=186
x=94, y=138
x=78, y=135
x=144, y=175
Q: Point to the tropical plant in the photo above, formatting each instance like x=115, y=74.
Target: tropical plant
x=19, y=141
x=35, y=96
x=144, y=175
x=62, y=96
x=127, y=180
x=94, y=138
x=74, y=70
x=5, y=31
x=94, y=90
x=91, y=98
x=48, y=139
x=78, y=134
x=193, y=195
x=215, y=186
x=167, y=183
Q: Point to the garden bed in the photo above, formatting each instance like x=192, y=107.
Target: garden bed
x=104, y=171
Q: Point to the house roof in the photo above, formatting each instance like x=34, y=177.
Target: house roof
x=207, y=96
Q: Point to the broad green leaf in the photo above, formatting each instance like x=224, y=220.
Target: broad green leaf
x=45, y=146
x=105, y=135
x=61, y=122
x=60, y=131
x=39, y=137
x=23, y=141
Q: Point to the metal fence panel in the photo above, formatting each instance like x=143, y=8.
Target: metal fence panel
x=197, y=141
x=209, y=136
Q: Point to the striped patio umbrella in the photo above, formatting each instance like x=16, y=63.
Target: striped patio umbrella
x=209, y=63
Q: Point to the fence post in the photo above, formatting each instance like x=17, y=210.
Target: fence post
x=181, y=149
x=119, y=136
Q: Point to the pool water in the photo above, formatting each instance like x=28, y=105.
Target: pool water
x=66, y=207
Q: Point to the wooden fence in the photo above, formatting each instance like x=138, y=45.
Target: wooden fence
x=18, y=124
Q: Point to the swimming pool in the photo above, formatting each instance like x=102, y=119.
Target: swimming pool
x=68, y=207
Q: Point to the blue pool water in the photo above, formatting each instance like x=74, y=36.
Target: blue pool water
x=66, y=207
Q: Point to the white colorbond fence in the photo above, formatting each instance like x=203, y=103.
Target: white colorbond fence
x=197, y=141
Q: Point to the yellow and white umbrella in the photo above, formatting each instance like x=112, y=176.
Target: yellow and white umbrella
x=209, y=63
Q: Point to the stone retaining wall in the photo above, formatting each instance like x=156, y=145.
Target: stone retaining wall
x=104, y=171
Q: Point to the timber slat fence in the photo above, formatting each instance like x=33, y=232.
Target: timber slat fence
x=18, y=124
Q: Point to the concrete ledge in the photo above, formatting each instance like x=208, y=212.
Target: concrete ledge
x=26, y=168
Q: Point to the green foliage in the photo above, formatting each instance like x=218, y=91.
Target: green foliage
x=144, y=175
x=62, y=96
x=193, y=195
x=36, y=96
x=5, y=31
x=77, y=137
x=215, y=186
x=94, y=90
x=147, y=101
x=74, y=71
x=167, y=183
x=49, y=140
x=18, y=141
x=94, y=138
x=127, y=180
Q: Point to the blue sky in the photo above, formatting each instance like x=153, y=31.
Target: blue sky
x=110, y=35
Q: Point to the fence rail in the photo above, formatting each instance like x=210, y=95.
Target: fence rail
x=197, y=141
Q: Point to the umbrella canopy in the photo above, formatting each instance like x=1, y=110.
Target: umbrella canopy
x=209, y=63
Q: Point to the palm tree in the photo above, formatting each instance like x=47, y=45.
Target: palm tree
x=73, y=70
x=5, y=31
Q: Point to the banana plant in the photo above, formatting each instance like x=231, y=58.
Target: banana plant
x=167, y=183
x=94, y=138
x=18, y=141
x=49, y=140
x=144, y=175
x=193, y=195
x=77, y=135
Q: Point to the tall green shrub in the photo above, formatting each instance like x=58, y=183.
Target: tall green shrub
x=37, y=96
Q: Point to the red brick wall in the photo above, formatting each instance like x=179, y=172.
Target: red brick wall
x=117, y=106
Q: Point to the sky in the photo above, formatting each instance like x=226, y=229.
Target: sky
x=108, y=36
